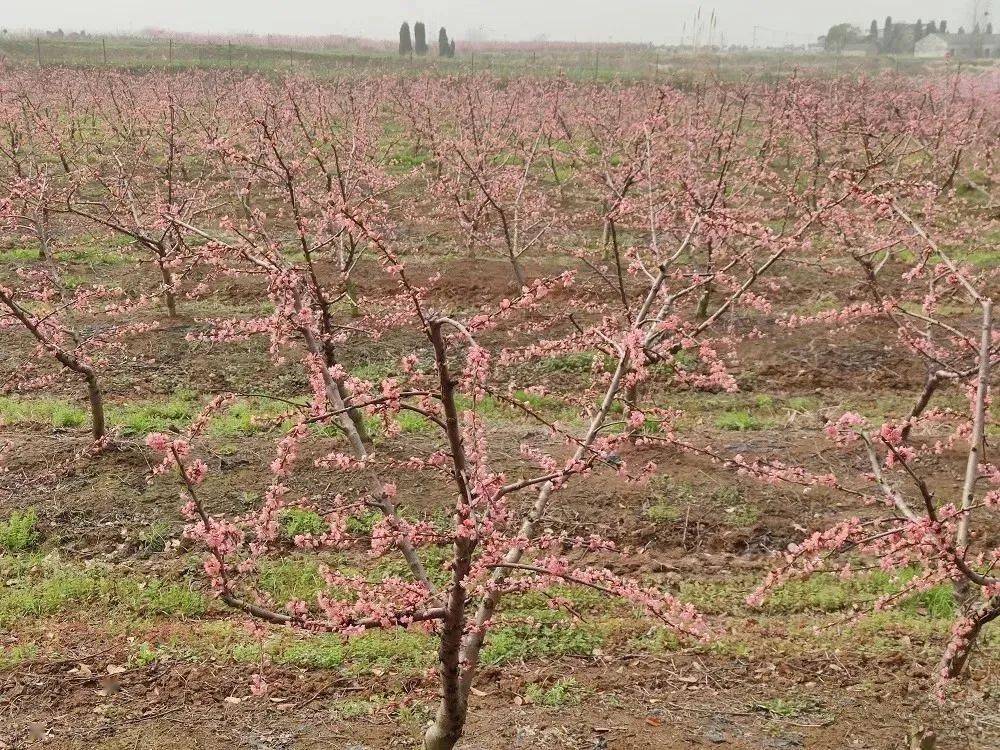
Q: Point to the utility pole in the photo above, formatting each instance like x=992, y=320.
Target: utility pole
x=38, y=50
x=104, y=50
x=170, y=52
x=230, y=55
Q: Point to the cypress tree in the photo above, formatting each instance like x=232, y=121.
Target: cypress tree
x=918, y=30
x=443, y=46
x=419, y=38
x=944, y=27
x=405, y=43
x=873, y=30
x=932, y=28
x=451, y=48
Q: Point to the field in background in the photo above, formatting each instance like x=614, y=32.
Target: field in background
x=316, y=57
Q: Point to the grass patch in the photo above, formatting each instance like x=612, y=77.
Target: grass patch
x=296, y=521
x=738, y=421
x=401, y=650
x=14, y=656
x=578, y=363
x=165, y=416
x=38, y=587
x=670, y=500
x=564, y=692
x=786, y=708
x=347, y=710
x=45, y=411
x=154, y=538
x=321, y=652
x=292, y=578
x=822, y=592
x=19, y=532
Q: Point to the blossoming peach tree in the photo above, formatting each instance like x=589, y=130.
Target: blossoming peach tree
x=921, y=528
x=497, y=542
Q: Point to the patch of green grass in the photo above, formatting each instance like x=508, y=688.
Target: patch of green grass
x=822, y=592
x=79, y=254
x=48, y=586
x=349, y=709
x=295, y=521
x=577, y=363
x=738, y=421
x=156, y=597
x=14, y=656
x=144, y=655
x=50, y=411
x=373, y=371
x=20, y=531
x=786, y=708
x=410, y=422
x=19, y=254
x=401, y=650
x=803, y=403
x=143, y=418
x=321, y=652
x=406, y=160
x=154, y=538
x=663, y=511
x=726, y=503
x=246, y=653
x=68, y=416
x=244, y=418
x=363, y=523
x=564, y=692
x=516, y=643
x=291, y=578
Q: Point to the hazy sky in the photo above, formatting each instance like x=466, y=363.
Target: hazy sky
x=658, y=21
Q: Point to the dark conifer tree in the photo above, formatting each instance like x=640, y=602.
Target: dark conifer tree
x=405, y=43
x=419, y=38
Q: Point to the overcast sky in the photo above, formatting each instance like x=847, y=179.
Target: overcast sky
x=658, y=21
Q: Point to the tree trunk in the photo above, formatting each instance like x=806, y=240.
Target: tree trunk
x=96, y=406
x=518, y=271
x=168, y=291
x=445, y=732
x=702, y=312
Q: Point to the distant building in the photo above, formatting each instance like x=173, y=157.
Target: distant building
x=965, y=46
x=860, y=49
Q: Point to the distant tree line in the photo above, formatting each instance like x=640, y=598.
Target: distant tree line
x=896, y=38
x=417, y=44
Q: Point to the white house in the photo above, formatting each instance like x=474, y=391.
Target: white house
x=932, y=45
x=958, y=45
